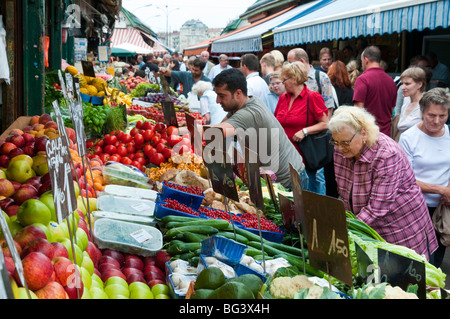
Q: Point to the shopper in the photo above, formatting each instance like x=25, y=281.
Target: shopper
x=340, y=79
x=267, y=63
x=276, y=88
x=209, y=65
x=427, y=146
x=325, y=59
x=377, y=183
x=209, y=109
x=256, y=86
x=223, y=65
x=291, y=112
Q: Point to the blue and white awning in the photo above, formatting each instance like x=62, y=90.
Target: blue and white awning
x=340, y=19
x=250, y=40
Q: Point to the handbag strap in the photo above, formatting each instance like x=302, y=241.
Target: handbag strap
x=307, y=110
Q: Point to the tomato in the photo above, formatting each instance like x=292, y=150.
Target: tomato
x=157, y=159
x=110, y=149
x=160, y=127
x=155, y=140
x=89, y=144
x=141, y=160
x=139, y=153
x=126, y=161
x=172, y=130
x=172, y=140
x=126, y=138
x=151, y=152
x=148, y=134
x=139, y=124
x=131, y=147
x=105, y=157
x=97, y=150
x=120, y=134
x=160, y=147
x=167, y=152
x=138, y=165
x=100, y=143
x=122, y=150
x=138, y=139
x=184, y=149
x=134, y=131
x=147, y=125
x=110, y=139
x=147, y=148
x=115, y=158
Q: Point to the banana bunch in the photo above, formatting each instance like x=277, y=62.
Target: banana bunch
x=116, y=96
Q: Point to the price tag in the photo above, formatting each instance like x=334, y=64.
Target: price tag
x=298, y=197
x=58, y=160
x=76, y=111
x=69, y=82
x=327, y=236
x=141, y=236
x=287, y=208
x=63, y=86
x=402, y=271
x=272, y=194
x=76, y=83
x=254, y=178
x=170, y=116
x=88, y=68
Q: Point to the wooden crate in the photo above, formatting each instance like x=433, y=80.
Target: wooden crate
x=19, y=123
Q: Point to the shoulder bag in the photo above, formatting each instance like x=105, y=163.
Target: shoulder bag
x=316, y=148
x=441, y=223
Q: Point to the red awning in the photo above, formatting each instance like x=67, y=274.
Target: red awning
x=135, y=38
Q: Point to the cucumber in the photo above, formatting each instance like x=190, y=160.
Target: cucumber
x=206, y=229
x=175, y=218
x=178, y=247
x=230, y=235
x=251, y=251
x=289, y=249
x=271, y=251
x=260, y=257
x=191, y=237
x=217, y=223
x=250, y=236
x=297, y=262
x=190, y=254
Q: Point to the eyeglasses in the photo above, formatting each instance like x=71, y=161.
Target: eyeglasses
x=284, y=80
x=343, y=143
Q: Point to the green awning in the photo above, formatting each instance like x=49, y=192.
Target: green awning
x=121, y=52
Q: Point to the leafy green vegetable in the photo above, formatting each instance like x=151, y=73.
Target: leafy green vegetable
x=116, y=119
x=139, y=90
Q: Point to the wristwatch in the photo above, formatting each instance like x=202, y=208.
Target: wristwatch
x=305, y=132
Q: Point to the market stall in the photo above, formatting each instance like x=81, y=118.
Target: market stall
x=105, y=199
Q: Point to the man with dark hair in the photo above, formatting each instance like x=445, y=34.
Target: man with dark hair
x=149, y=64
x=441, y=73
x=375, y=90
x=187, y=79
x=255, y=84
x=248, y=117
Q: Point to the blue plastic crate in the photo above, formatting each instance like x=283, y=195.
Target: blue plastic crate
x=188, y=199
x=224, y=249
x=269, y=235
x=161, y=211
x=95, y=100
x=241, y=269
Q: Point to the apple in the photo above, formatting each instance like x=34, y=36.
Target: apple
x=160, y=289
x=128, y=271
x=134, y=262
x=5, y=249
x=47, y=199
x=6, y=188
x=46, y=231
x=10, y=266
x=58, y=233
x=28, y=149
x=52, y=290
x=87, y=263
x=98, y=293
x=51, y=124
x=6, y=148
x=39, y=245
x=153, y=268
x=152, y=275
x=33, y=211
x=24, y=295
x=16, y=185
x=17, y=140
x=116, y=289
x=92, y=251
x=40, y=165
x=112, y=272
x=4, y=203
x=11, y=210
x=25, y=192
x=37, y=270
x=28, y=234
x=59, y=250
x=83, y=226
x=64, y=270
x=78, y=252
x=4, y=160
x=110, y=260
x=153, y=282
x=40, y=142
x=114, y=254
x=135, y=277
x=86, y=277
x=15, y=152
x=141, y=293
x=19, y=171
x=34, y=181
x=45, y=187
x=104, y=267
x=44, y=118
x=21, y=157
x=75, y=287
x=29, y=138
x=116, y=280
x=162, y=257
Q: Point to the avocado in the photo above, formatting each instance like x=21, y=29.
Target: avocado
x=209, y=278
x=234, y=290
x=253, y=282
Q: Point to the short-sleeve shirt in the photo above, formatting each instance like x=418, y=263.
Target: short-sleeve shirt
x=380, y=189
x=325, y=85
x=377, y=90
x=256, y=86
x=186, y=79
x=152, y=66
x=216, y=70
x=275, y=151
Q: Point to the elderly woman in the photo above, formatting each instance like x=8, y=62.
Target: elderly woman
x=209, y=109
x=377, y=183
x=291, y=112
x=427, y=146
x=276, y=88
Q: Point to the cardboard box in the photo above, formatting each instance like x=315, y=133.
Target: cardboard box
x=19, y=123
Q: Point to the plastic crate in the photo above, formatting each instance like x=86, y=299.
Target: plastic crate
x=95, y=100
x=144, y=220
x=188, y=199
x=129, y=191
x=269, y=235
x=224, y=249
x=126, y=205
x=161, y=211
x=180, y=293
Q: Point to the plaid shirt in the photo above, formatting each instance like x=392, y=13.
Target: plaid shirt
x=381, y=190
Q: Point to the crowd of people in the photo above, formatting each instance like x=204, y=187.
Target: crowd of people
x=391, y=163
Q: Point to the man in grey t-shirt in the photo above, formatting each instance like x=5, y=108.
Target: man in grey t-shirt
x=249, y=117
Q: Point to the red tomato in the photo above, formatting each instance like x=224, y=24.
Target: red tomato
x=155, y=140
x=98, y=150
x=160, y=127
x=139, y=124
x=172, y=140
x=115, y=158
x=147, y=125
x=119, y=134
x=151, y=152
x=105, y=157
x=157, y=159
x=160, y=147
x=126, y=160
x=138, y=139
x=147, y=148
x=139, y=153
x=110, y=139
x=126, y=138
x=141, y=160
x=138, y=165
x=110, y=149
x=100, y=143
x=148, y=134
x=89, y=144
x=172, y=130
x=134, y=131
x=131, y=147
x=122, y=150
x=167, y=152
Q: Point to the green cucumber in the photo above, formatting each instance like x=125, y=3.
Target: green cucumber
x=191, y=237
x=271, y=251
x=297, y=262
x=178, y=247
x=230, y=235
x=206, y=229
x=251, y=251
x=175, y=218
x=217, y=223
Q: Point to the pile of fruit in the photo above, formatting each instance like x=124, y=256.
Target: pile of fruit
x=155, y=113
x=131, y=82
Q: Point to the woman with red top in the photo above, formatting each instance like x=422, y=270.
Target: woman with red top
x=291, y=111
x=377, y=183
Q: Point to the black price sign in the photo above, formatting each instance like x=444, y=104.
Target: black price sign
x=297, y=194
x=254, y=178
x=88, y=68
x=287, y=208
x=170, y=116
x=327, y=236
x=272, y=194
x=76, y=111
x=58, y=160
x=402, y=271
x=63, y=86
x=60, y=121
x=194, y=129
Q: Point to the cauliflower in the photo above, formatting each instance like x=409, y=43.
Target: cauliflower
x=395, y=293
x=314, y=292
x=286, y=287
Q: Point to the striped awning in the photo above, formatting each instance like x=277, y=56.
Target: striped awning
x=340, y=19
x=133, y=38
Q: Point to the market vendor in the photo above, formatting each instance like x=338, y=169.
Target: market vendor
x=377, y=182
x=187, y=79
x=248, y=115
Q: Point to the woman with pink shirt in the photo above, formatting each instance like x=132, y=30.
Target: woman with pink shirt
x=377, y=183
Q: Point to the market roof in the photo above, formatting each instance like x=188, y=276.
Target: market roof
x=137, y=23
x=264, y=5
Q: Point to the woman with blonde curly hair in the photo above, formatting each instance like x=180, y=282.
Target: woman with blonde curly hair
x=353, y=71
x=377, y=183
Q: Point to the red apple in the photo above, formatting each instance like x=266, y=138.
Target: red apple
x=29, y=138
x=151, y=283
x=52, y=290
x=25, y=192
x=39, y=143
x=128, y=271
x=16, y=185
x=152, y=275
x=4, y=203
x=34, y=181
x=97, y=272
x=111, y=273
x=5, y=249
x=7, y=147
x=59, y=250
x=28, y=234
x=153, y=268
x=10, y=266
x=92, y=252
x=4, y=161
x=149, y=260
x=134, y=262
x=6, y=188
x=83, y=225
x=37, y=270
x=114, y=254
x=15, y=152
x=28, y=149
x=64, y=270
x=75, y=287
x=135, y=277
x=110, y=260
x=40, y=245
x=44, y=118
x=18, y=140
x=11, y=210
x=46, y=186
x=161, y=258
x=104, y=267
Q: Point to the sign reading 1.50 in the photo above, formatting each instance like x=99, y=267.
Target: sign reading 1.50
x=336, y=246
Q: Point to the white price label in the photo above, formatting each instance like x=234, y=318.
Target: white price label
x=141, y=236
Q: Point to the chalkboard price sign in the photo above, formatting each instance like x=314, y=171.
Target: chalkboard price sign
x=58, y=160
x=254, y=178
x=287, y=208
x=170, y=116
x=76, y=110
x=297, y=194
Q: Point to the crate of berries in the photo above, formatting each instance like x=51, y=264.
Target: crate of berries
x=173, y=207
x=191, y=196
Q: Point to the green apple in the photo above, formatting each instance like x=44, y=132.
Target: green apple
x=86, y=277
x=20, y=171
x=65, y=230
x=22, y=157
x=72, y=221
x=14, y=227
x=116, y=289
x=95, y=283
x=140, y=292
x=160, y=289
x=118, y=297
x=82, y=239
x=87, y=263
x=46, y=230
x=138, y=285
x=76, y=189
x=114, y=280
x=23, y=294
x=162, y=296
x=97, y=279
x=47, y=199
x=98, y=293
x=33, y=211
x=86, y=294
x=2, y=173
x=78, y=253
x=56, y=231
x=40, y=165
